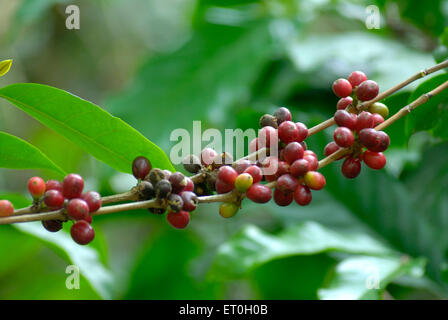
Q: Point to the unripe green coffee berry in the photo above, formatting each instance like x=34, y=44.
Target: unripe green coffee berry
x=145, y=190
x=163, y=189
x=192, y=163
x=268, y=120
x=228, y=209
x=155, y=175
x=243, y=182
x=175, y=202
x=379, y=108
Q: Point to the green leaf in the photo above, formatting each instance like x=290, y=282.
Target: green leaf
x=433, y=115
x=5, y=65
x=84, y=257
x=363, y=277
x=107, y=138
x=16, y=153
x=252, y=247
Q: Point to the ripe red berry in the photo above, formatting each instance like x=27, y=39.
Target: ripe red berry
x=331, y=148
x=141, y=167
x=283, y=199
x=259, y=193
x=227, y=175
x=54, y=199
x=343, y=103
x=222, y=187
x=342, y=88
x=270, y=167
x=364, y=120
x=88, y=219
x=288, y=132
x=6, y=208
x=343, y=137
x=255, y=172
x=228, y=209
x=241, y=165
x=207, y=156
x=77, y=209
x=253, y=145
x=292, y=152
x=178, y=182
x=374, y=160
x=299, y=168
x=52, y=225
x=243, y=182
x=282, y=114
x=190, y=184
x=345, y=119
x=314, y=180
x=178, y=220
x=72, y=186
x=302, y=195
x=190, y=200
x=36, y=187
x=309, y=153
x=303, y=131
x=351, y=167
x=266, y=135
x=356, y=78
x=82, y=232
x=53, y=185
x=287, y=183
x=374, y=140
x=311, y=157
x=367, y=90
x=377, y=119
x=93, y=200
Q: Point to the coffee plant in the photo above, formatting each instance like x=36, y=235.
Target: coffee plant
x=359, y=138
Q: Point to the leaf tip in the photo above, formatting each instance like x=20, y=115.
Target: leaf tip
x=5, y=65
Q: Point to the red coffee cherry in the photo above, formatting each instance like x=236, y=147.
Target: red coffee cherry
x=345, y=119
x=141, y=167
x=374, y=160
x=227, y=175
x=314, y=180
x=52, y=225
x=178, y=220
x=311, y=157
x=88, y=219
x=253, y=145
x=222, y=187
x=342, y=88
x=343, y=103
x=36, y=187
x=364, y=120
x=190, y=200
x=303, y=131
x=228, y=209
x=207, y=156
x=377, y=119
x=331, y=148
x=266, y=135
x=367, y=90
x=241, y=165
x=283, y=199
x=255, y=172
x=299, y=168
x=72, y=186
x=356, y=78
x=292, y=152
x=178, y=182
x=287, y=183
x=243, y=182
x=283, y=168
x=6, y=208
x=82, y=232
x=190, y=185
x=93, y=200
x=77, y=209
x=54, y=199
x=351, y=167
x=302, y=195
x=54, y=185
x=376, y=141
x=288, y=132
x=282, y=114
x=259, y=193
x=343, y=137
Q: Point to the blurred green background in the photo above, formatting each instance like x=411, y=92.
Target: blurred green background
x=159, y=65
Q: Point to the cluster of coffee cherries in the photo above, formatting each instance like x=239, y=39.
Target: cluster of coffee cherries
x=356, y=131
x=173, y=192
x=68, y=194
